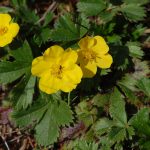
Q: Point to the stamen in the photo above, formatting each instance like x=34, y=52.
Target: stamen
x=89, y=55
x=3, y=30
x=57, y=70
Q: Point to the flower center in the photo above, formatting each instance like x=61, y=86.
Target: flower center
x=57, y=70
x=3, y=30
x=89, y=55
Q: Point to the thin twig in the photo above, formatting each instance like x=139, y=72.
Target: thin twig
x=50, y=8
x=5, y=143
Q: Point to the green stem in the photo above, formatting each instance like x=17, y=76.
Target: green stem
x=69, y=98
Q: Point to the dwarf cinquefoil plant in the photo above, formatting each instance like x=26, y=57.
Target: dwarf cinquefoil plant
x=75, y=74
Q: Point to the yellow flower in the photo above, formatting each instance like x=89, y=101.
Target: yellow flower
x=93, y=53
x=57, y=70
x=8, y=29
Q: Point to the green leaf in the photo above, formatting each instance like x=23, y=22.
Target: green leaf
x=48, y=18
x=84, y=145
x=135, y=50
x=144, y=85
x=31, y=115
x=58, y=114
x=47, y=130
x=141, y=121
x=91, y=7
x=22, y=94
x=43, y=36
x=133, y=12
x=131, y=132
x=140, y=2
x=4, y=9
x=117, y=134
x=102, y=126
x=10, y=71
x=67, y=30
x=101, y=100
x=129, y=93
x=27, y=15
x=48, y=114
x=117, y=108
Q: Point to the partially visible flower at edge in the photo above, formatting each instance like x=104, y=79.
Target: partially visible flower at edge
x=8, y=29
x=57, y=70
x=93, y=53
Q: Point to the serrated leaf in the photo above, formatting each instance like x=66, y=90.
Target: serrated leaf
x=117, y=134
x=43, y=36
x=84, y=145
x=91, y=7
x=131, y=132
x=144, y=85
x=22, y=94
x=48, y=18
x=140, y=2
x=107, y=16
x=31, y=115
x=141, y=121
x=48, y=114
x=47, y=130
x=10, y=71
x=135, y=50
x=67, y=30
x=58, y=114
x=102, y=126
x=117, y=108
x=129, y=93
x=133, y=12
x=27, y=15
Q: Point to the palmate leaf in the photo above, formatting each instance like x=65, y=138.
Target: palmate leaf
x=117, y=108
x=91, y=7
x=133, y=12
x=67, y=30
x=141, y=121
x=48, y=114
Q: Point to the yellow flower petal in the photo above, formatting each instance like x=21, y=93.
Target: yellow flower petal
x=49, y=84
x=86, y=42
x=69, y=57
x=53, y=52
x=5, y=40
x=39, y=66
x=13, y=29
x=5, y=19
x=100, y=46
x=74, y=75
x=66, y=85
x=89, y=70
x=105, y=61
